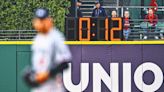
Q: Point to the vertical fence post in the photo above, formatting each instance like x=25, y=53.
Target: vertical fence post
x=19, y=34
x=122, y=11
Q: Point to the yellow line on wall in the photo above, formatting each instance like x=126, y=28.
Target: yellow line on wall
x=15, y=42
x=87, y=42
x=112, y=42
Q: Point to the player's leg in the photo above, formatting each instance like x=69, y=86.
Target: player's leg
x=59, y=86
x=46, y=87
x=128, y=33
x=125, y=33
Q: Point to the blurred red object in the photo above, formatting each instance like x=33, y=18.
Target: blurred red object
x=154, y=4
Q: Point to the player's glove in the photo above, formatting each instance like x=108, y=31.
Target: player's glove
x=29, y=77
x=35, y=80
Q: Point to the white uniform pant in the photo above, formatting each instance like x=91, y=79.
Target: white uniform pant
x=53, y=85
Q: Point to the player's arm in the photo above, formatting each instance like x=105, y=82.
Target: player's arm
x=62, y=55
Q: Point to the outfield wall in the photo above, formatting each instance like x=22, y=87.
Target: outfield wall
x=15, y=57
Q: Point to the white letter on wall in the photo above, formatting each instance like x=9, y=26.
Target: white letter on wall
x=126, y=77
x=83, y=82
x=158, y=74
x=100, y=74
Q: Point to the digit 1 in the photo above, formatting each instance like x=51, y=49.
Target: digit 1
x=106, y=29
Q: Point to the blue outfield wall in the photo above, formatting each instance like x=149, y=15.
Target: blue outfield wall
x=15, y=57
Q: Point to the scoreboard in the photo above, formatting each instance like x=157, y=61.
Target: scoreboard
x=94, y=29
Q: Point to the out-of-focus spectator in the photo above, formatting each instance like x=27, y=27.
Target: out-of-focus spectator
x=115, y=23
x=154, y=4
x=98, y=11
x=152, y=19
x=114, y=14
x=73, y=8
x=79, y=13
x=126, y=25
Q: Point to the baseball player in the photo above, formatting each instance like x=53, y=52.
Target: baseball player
x=49, y=56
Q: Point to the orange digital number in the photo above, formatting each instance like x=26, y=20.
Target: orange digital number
x=81, y=29
x=106, y=29
x=119, y=28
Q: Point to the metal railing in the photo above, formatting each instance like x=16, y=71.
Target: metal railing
x=141, y=27
x=138, y=30
x=17, y=35
x=121, y=9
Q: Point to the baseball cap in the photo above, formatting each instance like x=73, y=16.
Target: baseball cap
x=41, y=13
